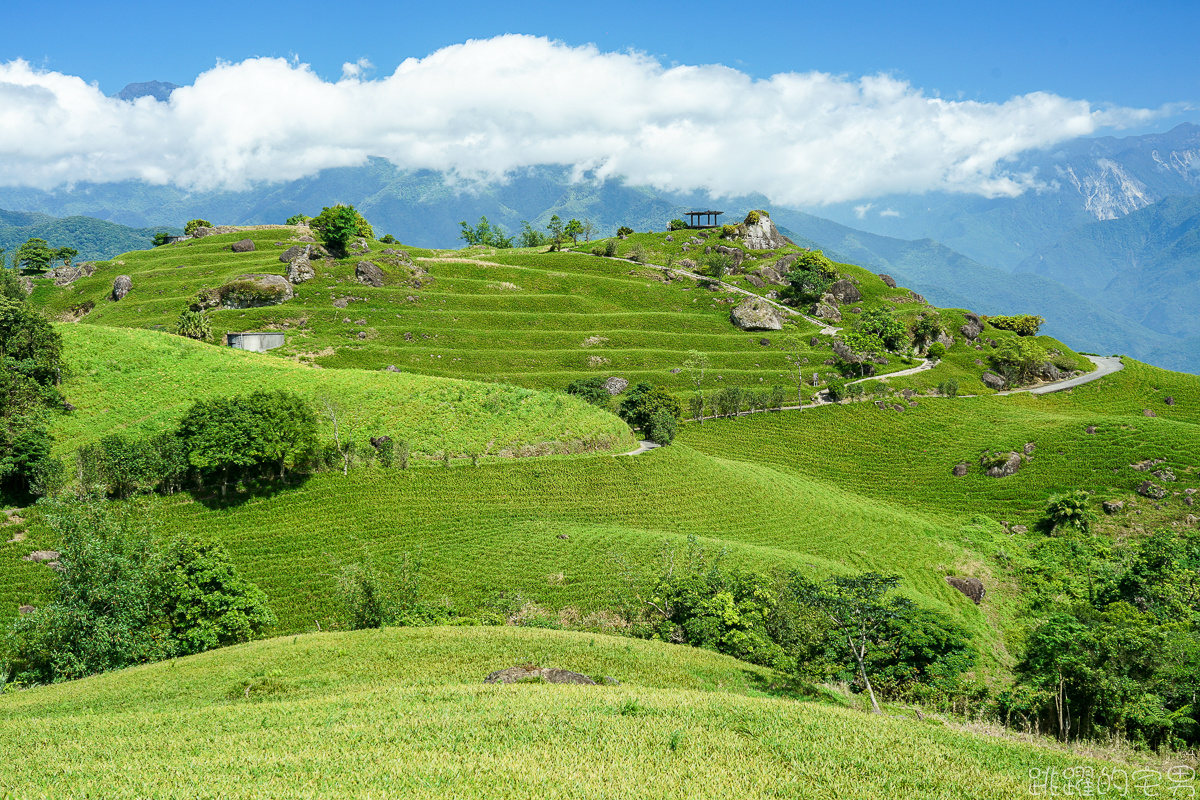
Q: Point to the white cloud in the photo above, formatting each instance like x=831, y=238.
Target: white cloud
x=861, y=211
x=484, y=108
x=890, y=212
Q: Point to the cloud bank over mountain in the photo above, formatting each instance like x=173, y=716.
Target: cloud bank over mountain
x=481, y=109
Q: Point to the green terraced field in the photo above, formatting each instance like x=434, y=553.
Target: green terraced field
x=403, y=713
x=532, y=319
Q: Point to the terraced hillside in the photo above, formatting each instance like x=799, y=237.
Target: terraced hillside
x=532, y=319
x=403, y=712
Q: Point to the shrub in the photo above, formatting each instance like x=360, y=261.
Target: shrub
x=193, y=224
x=1022, y=324
x=638, y=253
x=696, y=405
x=677, y=225
x=610, y=248
x=194, y=325
x=598, y=250
x=1019, y=359
x=591, y=389
x=730, y=401
x=297, y=219
x=389, y=239
x=1069, y=510
x=728, y=231
x=811, y=275
x=663, y=427
x=752, y=218
x=948, y=388
x=337, y=225
x=386, y=451
x=643, y=400
x=837, y=390
x=778, y=396
x=935, y=351
x=624, y=230
x=719, y=265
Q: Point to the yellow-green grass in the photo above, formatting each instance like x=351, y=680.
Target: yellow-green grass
x=516, y=316
x=404, y=713
x=141, y=382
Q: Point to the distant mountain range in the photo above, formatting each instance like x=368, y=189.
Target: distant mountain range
x=159, y=90
x=93, y=238
x=1106, y=250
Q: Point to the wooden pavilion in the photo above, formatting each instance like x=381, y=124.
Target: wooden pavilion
x=710, y=219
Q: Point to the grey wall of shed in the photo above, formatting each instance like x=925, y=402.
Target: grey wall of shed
x=256, y=342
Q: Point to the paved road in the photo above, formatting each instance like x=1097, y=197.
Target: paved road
x=1105, y=365
x=644, y=446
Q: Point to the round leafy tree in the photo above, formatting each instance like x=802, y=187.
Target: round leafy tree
x=643, y=400
x=192, y=224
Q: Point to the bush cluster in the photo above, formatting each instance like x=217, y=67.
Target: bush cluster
x=1022, y=324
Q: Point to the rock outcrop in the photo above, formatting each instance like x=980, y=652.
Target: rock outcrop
x=248, y=291
x=973, y=326
x=756, y=314
x=992, y=381
x=971, y=587
x=763, y=235
x=890, y=282
x=845, y=292
x=538, y=675
x=121, y=287
x=369, y=274
x=1001, y=465
x=615, y=385
x=243, y=246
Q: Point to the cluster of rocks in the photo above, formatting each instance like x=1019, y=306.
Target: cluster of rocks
x=299, y=259
x=65, y=276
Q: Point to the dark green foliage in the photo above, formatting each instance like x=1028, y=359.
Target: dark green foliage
x=238, y=436
x=373, y=598
x=837, y=390
x=812, y=274
x=486, y=234
x=10, y=284
x=192, y=224
x=65, y=254
x=677, y=225
x=610, y=248
x=882, y=322
x=1022, y=324
x=643, y=400
x=299, y=219
x=1019, y=359
x=30, y=368
x=662, y=428
x=935, y=351
x=338, y=225
x=530, y=237
x=574, y=229
x=730, y=401
x=120, y=600
x=161, y=238
x=386, y=450
x=387, y=238
x=1069, y=510
x=592, y=390
x=35, y=255
x=557, y=232
x=624, y=230
x=194, y=325
x=719, y=265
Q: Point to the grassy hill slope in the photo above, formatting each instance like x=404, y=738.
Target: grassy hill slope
x=403, y=712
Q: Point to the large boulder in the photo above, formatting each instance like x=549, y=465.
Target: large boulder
x=244, y=246
x=756, y=314
x=960, y=469
x=65, y=276
x=367, y=273
x=1001, y=465
x=1151, y=490
x=763, y=235
x=845, y=292
x=293, y=252
x=615, y=385
x=538, y=675
x=121, y=287
x=891, y=284
x=248, y=291
x=971, y=587
x=1049, y=372
x=945, y=340
x=300, y=269
x=772, y=276
x=992, y=381
x=973, y=326
x=784, y=265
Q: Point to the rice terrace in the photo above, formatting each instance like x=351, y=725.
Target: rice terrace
x=287, y=566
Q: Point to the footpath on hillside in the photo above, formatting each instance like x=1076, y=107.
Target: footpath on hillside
x=1105, y=365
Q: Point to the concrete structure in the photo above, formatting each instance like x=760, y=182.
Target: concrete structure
x=709, y=218
x=255, y=341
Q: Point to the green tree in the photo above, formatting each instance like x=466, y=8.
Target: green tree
x=529, y=237
x=624, y=230
x=161, y=238
x=677, y=225
x=860, y=610
x=719, y=265
x=810, y=276
x=882, y=322
x=1019, y=359
x=192, y=224
x=643, y=400
x=557, y=232
x=486, y=234
x=593, y=390
x=65, y=254
x=297, y=219
x=339, y=224
x=574, y=229
x=35, y=256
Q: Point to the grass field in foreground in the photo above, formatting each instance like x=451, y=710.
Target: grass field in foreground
x=403, y=713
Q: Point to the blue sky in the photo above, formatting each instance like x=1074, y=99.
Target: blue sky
x=1137, y=54
x=804, y=103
